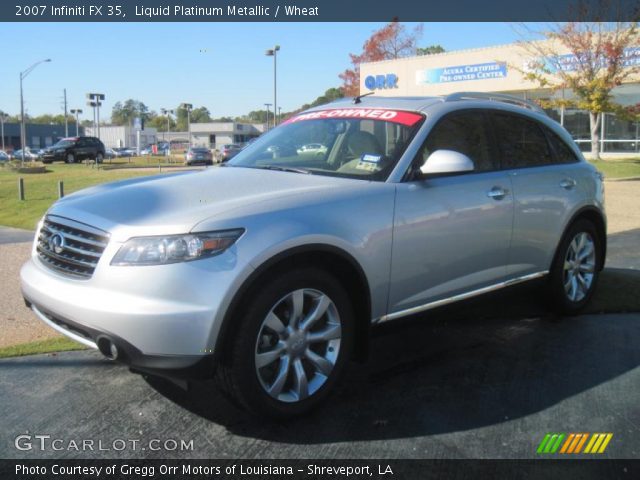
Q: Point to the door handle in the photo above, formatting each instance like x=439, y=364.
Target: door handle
x=568, y=183
x=497, y=193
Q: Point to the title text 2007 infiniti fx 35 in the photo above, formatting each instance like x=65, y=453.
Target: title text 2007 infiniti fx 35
x=270, y=269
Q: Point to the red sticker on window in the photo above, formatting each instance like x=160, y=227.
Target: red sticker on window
x=395, y=116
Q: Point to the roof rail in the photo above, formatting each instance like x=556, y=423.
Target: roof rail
x=495, y=97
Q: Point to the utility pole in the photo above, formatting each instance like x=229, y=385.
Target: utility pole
x=3, y=116
x=66, y=117
x=188, y=107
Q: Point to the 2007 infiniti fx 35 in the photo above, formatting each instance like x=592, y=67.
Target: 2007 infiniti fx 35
x=270, y=269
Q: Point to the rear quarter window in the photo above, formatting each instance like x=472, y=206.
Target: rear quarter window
x=564, y=153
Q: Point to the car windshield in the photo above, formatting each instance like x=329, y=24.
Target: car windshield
x=199, y=150
x=353, y=142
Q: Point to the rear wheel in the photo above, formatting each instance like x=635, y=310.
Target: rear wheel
x=291, y=345
x=575, y=271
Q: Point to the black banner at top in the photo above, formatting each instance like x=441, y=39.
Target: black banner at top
x=315, y=10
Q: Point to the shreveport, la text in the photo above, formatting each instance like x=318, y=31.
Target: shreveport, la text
x=205, y=470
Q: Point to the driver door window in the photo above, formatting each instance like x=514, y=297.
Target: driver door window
x=464, y=132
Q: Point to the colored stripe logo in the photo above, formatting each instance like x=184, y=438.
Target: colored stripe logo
x=573, y=443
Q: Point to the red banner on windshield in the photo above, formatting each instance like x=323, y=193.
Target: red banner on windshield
x=394, y=116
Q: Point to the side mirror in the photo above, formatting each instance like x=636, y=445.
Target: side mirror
x=446, y=161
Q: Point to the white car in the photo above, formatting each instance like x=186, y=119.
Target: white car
x=312, y=149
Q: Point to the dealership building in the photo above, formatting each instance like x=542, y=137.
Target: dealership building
x=499, y=70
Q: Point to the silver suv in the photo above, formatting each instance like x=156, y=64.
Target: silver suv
x=270, y=270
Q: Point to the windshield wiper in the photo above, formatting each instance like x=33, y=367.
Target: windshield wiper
x=280, y=168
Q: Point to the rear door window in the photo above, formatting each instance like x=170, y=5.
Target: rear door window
x=521, y=141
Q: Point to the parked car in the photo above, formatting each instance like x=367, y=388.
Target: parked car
x=75, y=149
x=29, y=154
x=312, y=149
x=228, y=151
x=4, y=156
x=110, y=153
x=126, y=152
x=269, y=274
x=198, y=155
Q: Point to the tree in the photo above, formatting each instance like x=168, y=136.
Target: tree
x=430, y=50
x=48, y=119
x=198, y=115
x=588, y=58
x=390, y=42
x=124, y=113
x=159, y=122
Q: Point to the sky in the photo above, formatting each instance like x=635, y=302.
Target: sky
x=221, y=66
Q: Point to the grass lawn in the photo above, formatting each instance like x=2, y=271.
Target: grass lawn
x=41, y=190
x=59, y=344
x=623, y=168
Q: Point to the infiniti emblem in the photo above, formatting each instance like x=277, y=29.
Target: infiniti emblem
x=56, y=243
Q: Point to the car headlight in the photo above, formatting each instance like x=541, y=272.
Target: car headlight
x=174, y=248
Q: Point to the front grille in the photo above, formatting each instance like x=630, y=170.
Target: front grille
x=76, y=248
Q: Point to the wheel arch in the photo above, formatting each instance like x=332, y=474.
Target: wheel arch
x=595, y=216
x=328, y=257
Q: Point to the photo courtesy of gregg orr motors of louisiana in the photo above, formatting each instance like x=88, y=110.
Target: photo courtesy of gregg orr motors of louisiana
x=240, y=469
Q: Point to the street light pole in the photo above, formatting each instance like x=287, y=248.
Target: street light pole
x=273, y=52
x=96, y=100
x=267, y=105
x=77, y=112
x=23, y=128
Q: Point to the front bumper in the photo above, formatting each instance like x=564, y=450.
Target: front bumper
x=179, y=366
x=50, y=156
x=161, y=317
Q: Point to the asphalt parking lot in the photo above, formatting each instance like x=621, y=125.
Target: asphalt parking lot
x=460, y=385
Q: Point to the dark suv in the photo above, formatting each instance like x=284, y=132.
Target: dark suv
x=74, y=149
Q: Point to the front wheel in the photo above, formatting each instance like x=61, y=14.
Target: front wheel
x=99, y=157
x=70, y=158
x=291, y=345
x=575, y=271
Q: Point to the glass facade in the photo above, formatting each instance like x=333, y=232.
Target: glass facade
x=617, y=135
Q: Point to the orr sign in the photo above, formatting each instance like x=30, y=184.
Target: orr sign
x=379, y=82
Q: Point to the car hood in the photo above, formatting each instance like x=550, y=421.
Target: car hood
x=176, y=203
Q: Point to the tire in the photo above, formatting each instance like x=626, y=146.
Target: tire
x=273, y=364
x=70, y=158
x=99, y=157
x=576, y=268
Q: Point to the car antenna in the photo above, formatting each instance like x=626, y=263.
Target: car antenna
x=358, y=99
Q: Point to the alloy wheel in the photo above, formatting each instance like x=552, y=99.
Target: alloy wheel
x=298, y=345
x=579, y=267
